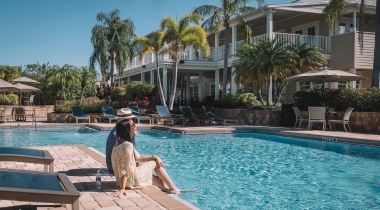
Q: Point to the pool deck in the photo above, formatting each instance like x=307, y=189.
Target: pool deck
x=80, y=164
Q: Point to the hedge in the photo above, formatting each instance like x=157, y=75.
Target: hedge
x=94, y=106
x=366, y=100
x=8, y=99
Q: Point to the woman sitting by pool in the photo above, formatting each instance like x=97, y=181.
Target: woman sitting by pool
x=133, y=170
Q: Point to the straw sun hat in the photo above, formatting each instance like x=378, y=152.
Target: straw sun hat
x=125, y=113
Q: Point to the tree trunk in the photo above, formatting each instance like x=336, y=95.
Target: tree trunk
x=160, y=91
x=113, y=67
x=81, y=97
x=261, y=97
x=376, y=57
x=174, y=84
x=268, y=89
x=225, y=69
x=279, y=95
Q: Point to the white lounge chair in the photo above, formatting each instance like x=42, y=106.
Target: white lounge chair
x=345, y=121
x=317, y=115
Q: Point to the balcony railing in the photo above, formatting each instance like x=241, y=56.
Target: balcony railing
x=217, y=53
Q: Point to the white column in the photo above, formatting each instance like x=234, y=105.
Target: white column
x=269, y=31
x=188, y=89
x=233, y=84
x=353, y=83
x=270, y=94
x=233, y=44
x=216, y=48
x=142, y=78
x=354, y=20
x=128, y=80
x=270, y=36
x=216, y=84
x=200, y=87
x=151, y=77
x=165, y=81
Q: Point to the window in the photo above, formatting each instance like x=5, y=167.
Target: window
x=299, y=32
x=343, y=85
x=213, y=91
x=351, y=27
x=194, y=93
x=311, y=31
x=305, y=85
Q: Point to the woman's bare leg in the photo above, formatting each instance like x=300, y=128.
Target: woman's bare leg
x=164, y=177
x=159, y=183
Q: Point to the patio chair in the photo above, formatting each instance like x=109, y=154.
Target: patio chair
x=78, y=114
x=108, y=114
x=28, y=156
x=299, y=117
x=19, y=113
x=317, y=115
x=8, y=114
x=30, y=102
x=163, y=113
x=189, y=115
x=345, y=121
x=210, y=112
x=38, y=187
x=138, y=116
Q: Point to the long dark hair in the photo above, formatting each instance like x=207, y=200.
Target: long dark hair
x=123, y=132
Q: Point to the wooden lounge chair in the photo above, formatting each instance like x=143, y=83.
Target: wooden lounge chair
x=38, y=187
x=28, y=156
x=78, y=114
x=210, y=112
x=163, y=113
x=108, y=114
x=138, y=116
x=189, y=115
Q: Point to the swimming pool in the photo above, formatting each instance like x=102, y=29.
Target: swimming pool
x=246, y=170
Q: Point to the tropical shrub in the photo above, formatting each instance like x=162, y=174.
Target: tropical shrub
x=241, y=100
x=8, y=99
x=89, y=106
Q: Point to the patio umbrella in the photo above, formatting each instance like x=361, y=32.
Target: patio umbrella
x=25, y=80
x=24, y=88
x=325, y=75
x=7, y=87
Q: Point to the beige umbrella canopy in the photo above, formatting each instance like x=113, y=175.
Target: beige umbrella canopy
x=25, y=80
x=325, y=75
x=7, y=87
x=24, y=88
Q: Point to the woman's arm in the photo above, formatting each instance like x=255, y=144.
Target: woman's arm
x=123, y=183
x=144, y=158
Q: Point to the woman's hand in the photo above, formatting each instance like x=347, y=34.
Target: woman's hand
x=120, y=192
x=159, y=161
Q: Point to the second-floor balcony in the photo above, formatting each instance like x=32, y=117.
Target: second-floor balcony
x=217, y=53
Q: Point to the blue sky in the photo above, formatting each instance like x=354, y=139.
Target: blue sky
x=59, y=31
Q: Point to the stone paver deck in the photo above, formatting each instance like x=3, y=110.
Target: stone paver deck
x=80, y=164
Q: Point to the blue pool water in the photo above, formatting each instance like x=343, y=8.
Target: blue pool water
x=246, y=170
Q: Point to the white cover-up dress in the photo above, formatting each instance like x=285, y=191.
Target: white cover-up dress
x=124, y=163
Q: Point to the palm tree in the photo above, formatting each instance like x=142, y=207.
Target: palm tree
x=87, y=75
x=112, y=42
x=263, y=60
x=308, y=56
x=153, y=44
x=336, y=8
x=221, y=17
x=65, y=76
x=179, y=36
